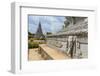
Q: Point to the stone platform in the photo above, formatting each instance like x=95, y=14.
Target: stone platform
x=51, y=54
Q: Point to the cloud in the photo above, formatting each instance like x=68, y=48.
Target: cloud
x=48, y=23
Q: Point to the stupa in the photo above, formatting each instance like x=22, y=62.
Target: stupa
x=39, y=33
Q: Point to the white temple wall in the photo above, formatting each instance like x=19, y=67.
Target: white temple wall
x=61, y=43
x=73, y=38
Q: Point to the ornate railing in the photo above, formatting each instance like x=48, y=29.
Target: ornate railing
x=75, y=27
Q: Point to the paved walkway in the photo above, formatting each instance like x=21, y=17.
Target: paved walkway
x=33, y=55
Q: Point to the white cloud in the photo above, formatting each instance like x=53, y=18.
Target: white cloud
x=48, y=23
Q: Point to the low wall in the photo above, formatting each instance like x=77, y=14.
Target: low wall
x=75, y=46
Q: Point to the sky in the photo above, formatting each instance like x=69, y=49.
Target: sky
x=51, y=24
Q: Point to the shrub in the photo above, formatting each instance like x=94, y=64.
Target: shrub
x=29, y=45
x=39, y=38
x=33, y=45
x=31, y=39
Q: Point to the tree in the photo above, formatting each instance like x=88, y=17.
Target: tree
x=48, y=33
x=30, y=35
